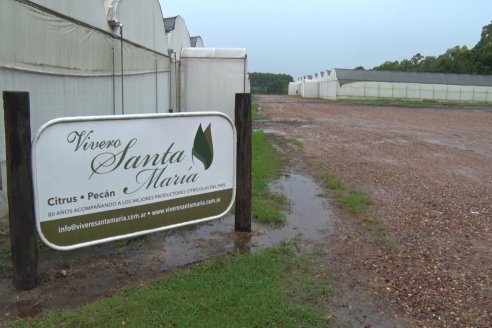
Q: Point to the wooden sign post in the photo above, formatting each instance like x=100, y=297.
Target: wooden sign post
x=20, y=189
x=244, y=157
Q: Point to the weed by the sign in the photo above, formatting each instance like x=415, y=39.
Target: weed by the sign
x=255, y=115
x=5, y=249
x=5, y=254
x=267, y=206
x=4, y=267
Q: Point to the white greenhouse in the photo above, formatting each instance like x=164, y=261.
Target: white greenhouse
x=196, y=41
x=211, y=77
x=310, y=88
x=294, y=88
x=178, y=38
x=108, y=57
x=70, y=56
x=349, y=83
x=412, y=85
x=177, y=35
x=328, y=86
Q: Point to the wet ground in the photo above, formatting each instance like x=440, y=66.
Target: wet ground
x=77, y=277
x=428, y=173
x=423, y=246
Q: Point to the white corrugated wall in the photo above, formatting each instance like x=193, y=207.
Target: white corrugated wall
x=67, y=64
x=415, y=91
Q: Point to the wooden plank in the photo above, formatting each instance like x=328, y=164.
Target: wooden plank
x=244, y=161
x=20, y=189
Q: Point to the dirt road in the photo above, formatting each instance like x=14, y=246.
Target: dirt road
x=429, y=175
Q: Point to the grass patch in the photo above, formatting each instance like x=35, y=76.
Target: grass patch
x=333, y=182
x=379, y=234
x=268, y=207
x=255, y=115
x=275, y=288
x=356, y=200
x=4, y=267
x=5, y=253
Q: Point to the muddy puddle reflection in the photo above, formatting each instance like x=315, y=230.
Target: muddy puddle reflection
x=81, y=276
x=308, y=218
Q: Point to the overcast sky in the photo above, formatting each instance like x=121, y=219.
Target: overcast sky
x=304, y=37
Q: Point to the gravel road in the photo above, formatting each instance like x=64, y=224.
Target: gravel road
x=429, y=174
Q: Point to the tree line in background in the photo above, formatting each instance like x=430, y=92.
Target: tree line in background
x=269, y=83
x=461, y=60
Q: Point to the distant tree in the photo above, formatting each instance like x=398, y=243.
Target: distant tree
x=455, y=60
x=427, y=64
x=388, y=66
x=406, y=65
x=276, y=87
x=417, y=59
x=482, y=52
x=269, y=83
x=458, y=59
x=360, y=68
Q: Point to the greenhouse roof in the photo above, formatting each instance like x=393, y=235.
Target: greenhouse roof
x=196, y=40
x=170, y=23
x=224, y=53
x=346, y=76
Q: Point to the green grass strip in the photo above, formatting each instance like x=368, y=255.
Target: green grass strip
x=255, y=115
x=379, y=234
x=274, y=288
x=355, y=200
x=268, y=207
x=333, y=182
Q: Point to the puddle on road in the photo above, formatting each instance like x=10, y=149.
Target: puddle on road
x=97, y=271
x=308, y=217
x=271, y=131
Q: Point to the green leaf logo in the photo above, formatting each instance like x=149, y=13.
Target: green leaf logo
x=203, y=148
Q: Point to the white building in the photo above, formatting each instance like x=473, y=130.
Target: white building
x=328, y=86
x=349, y=83
x=178, y=38
x=310, y=86
x=68, y=55
x=211, y=77
x=196, y=41
x=103, y=57
x=411, y=85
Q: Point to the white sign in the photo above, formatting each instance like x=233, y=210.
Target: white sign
x=99, y=179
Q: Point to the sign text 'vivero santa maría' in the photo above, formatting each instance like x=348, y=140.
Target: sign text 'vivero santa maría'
x=99, y=179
